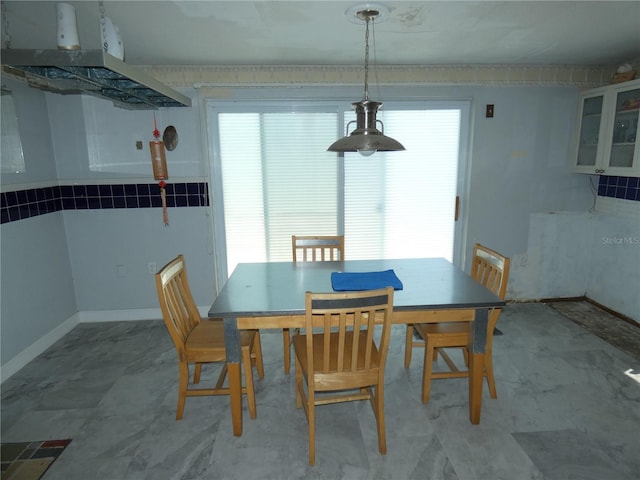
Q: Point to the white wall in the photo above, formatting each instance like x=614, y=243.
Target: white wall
x=520, y=164
x=557, y=261
x=96, y=142
x=572, y=254
x=112, y=248
x=520, y=176
x=33, y=123
x=36, y=283
x=614, y=279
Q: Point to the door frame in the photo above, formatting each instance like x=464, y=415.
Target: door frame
x=243, y=98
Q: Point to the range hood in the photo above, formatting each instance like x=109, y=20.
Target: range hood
x=93, y=72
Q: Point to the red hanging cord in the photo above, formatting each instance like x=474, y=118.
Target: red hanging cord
x=156, y=132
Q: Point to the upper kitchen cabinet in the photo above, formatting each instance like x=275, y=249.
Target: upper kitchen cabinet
x=608, y=139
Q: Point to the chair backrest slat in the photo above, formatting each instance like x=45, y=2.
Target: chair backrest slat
x=317, y=248
x=326, y=342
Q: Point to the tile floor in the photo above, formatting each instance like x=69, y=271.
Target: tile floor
x=568, y=407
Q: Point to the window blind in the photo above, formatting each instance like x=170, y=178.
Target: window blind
x=279, y=180
x=402, y=204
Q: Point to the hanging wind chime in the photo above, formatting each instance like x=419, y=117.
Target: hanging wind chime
x=159, y=163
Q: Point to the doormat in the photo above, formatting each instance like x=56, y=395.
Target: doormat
x=29, y=460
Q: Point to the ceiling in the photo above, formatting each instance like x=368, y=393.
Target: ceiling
x=307, y=32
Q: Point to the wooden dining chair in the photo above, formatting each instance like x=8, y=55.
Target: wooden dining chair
x=489, y=268
x=200, y=341
x=341, y=361
x=317, y=248
x=311, y=248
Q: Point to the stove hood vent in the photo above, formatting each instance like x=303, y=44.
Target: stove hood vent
x=92, y=72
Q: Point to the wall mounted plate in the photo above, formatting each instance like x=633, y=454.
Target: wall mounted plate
x=170, y=138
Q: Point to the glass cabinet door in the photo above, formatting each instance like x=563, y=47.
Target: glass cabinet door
x=590, y=125
x=625, y=129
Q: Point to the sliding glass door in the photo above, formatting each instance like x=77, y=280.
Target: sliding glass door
x=277, y=179
x=272, y=177
x=402, y=204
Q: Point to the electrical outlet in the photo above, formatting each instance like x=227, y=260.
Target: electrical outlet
x=152, y=268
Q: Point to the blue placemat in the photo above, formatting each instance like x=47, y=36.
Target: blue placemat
x=345, y=281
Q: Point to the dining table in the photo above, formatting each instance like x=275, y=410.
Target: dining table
x=271, y=295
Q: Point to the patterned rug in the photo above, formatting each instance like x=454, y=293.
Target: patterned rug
x=29, y=460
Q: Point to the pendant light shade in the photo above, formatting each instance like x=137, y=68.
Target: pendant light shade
x=366, y=138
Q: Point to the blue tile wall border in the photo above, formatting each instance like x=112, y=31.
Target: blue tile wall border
x=627, y=188
x=24, y=204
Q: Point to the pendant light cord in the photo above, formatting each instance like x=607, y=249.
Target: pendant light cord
x=366, y=59
x=374, y=66
x=103, y=26
x=5, y=27
x=369, y=16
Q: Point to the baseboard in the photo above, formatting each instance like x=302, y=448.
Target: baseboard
x=610, y=311
x=92, y=316
x=563, y=299
x=613, y=312
x=38, y=347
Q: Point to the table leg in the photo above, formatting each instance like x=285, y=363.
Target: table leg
x=476, y=367
x=234, y=372
x=477, y=348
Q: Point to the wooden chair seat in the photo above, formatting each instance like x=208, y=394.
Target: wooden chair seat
x=489, y=268
x=208, y=336
x=335, y=377
x=200, y=341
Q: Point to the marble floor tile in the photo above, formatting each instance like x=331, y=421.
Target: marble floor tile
x=562, y=454
x=568, y=406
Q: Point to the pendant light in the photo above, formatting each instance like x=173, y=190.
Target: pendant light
x=366, y=138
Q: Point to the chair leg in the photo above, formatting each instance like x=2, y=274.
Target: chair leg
x=196, y=373
x=379, y=406
x=286, y=345
x=298, y=383
x=408, y=347
x=257, y=352
x=426, y=374
x=248, y=378
x=312, y=427
x=182, y=388
x=488, y=366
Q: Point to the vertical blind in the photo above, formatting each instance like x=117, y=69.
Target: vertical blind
x=278, y=180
